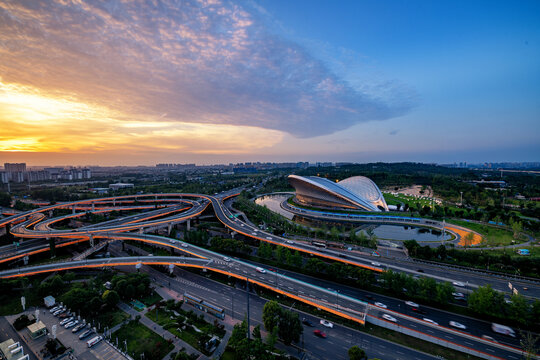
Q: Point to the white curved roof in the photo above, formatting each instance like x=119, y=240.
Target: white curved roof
x=359, y=191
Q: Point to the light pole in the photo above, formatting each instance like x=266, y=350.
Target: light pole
x=461, y=201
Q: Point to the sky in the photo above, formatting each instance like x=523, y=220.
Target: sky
x=214, y=81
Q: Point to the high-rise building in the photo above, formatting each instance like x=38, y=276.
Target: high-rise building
x=15, y=167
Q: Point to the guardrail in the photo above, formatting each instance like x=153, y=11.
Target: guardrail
x=489, y=272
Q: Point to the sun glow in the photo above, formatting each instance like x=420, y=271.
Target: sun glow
x=32, y=121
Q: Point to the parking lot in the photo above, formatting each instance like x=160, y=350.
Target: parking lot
x=100, y=351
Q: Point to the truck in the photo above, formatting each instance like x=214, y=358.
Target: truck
x=93, y=341
x=503, y=329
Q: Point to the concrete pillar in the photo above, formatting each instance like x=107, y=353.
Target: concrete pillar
x=93, y=206
x=73, y=209
x=114, y=202
x=169, y=228
x=188, y=224
x=141, y=230
x=50, y=213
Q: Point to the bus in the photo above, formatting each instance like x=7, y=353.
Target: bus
x=204, y=306
x=319, y=244
x=94, y=341
x=503, y=329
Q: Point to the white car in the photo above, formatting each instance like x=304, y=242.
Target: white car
x=326, y=323
x=269, y=238
x=66, y=320
x=260, y=269
x=412, y=304
x=430, y=321
x=458, y=294
x=457, y=325
x=458, y=283
x=54, y=309
x=374, y=263
x=254, y=233
x=184, y=245
x=289, y=242
x=71, y=324
x=379, y=304
x=226, y=259
x=389, y=318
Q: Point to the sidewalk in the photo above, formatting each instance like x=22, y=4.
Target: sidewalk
x=158, y=329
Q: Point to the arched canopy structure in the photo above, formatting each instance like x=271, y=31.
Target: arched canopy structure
x=357, y=192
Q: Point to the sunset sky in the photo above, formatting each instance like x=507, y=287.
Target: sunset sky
x=211, y=81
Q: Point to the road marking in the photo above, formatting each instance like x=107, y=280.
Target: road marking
x=468, y=343
x=399, y=352
x=488, y=349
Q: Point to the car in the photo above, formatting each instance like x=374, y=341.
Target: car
x=487, y=337
x=184, y=245
x=71, y=324
x=226, y=259
x=420, y=270
x=326, y=323
x=58, y=312
x=269, y=238
x=289, y=242
x=412, y=304
x=457, y=325
x=54, y=309
x=85, y=334
x=171, y=241
x=389, y=318
x=458, y=294
x=78, y=328
x=369, y=297
x=380, y=304
x=307, y=322
x=66, y=320
x=64, y=315
x=374, y=263
x=430, y=321
x=319, y=333
x=418, y=310
x=260, y=269
x=254, y=233
x=458, y=283
x=508, y=301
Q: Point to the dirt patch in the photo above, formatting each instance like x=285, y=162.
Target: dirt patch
x=415, y=191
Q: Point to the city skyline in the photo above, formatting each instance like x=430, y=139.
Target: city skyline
x=124, y=83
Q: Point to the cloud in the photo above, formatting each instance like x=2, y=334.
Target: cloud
x=200, y=62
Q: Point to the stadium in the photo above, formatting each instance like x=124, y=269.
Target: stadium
x=354, y=193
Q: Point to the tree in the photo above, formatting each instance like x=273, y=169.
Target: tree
x=529, y=345
x=517, y=227
x=468, y=239
x=110, y=297
x=290, y=328
x=519, y=308
x=355, y=353
x=444, y=292
x=485, y=300
x=271, y=315
x=256, y=332
x=5, y=199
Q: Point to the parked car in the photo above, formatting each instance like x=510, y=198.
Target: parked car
x=319, y=333
x=389, y=318
x=54, y=309
x=326, y=323
x=78, y=328
x=66, y=320
x=71, y=324
x=85, y=334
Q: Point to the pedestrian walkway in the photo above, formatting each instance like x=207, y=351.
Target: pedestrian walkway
x=158, y=329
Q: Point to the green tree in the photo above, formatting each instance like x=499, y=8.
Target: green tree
x=444, y=292
x=485, y=300
x=519, y=309
x=517, y=227
x=5, y=199
x=355, y=353
x=112, y=298
x=290, y=328
x=256, y=332
x=271, y=315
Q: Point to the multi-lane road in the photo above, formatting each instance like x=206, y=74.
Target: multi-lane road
x=344, y=303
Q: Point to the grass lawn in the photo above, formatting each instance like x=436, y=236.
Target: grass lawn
x=112, y=318
x=151, y=299
x=140, y=339
x=493, y=236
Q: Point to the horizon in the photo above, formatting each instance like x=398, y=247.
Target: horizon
x=116, y=84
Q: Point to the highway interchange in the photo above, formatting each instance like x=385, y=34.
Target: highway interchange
x=348, y=303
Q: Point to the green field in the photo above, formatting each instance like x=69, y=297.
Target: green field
x=111, y=318
x=140, y=340
x=493, y=236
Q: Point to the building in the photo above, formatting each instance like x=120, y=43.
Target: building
x=354, y=193
x=15, y=167
x=10, y=349
x=37, y=330
x=120, y=186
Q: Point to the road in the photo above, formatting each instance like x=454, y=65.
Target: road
x=342, y=304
